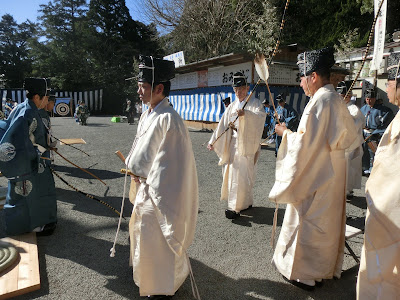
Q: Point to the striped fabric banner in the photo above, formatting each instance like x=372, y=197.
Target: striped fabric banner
x=93, y=99
x=205, y=104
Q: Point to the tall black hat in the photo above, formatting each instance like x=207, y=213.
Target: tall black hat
x=280, y=98
x=343, y=87
x=155, y=70
x=311, y=61
x=370, y=93
x=40, y=86
x=393, y=66
x=52, y=95
x=239, y=79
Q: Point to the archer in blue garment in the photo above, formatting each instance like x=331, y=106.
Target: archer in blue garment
x=377, y=119
x=286, y=115
x=269, y=126
x=25, y=160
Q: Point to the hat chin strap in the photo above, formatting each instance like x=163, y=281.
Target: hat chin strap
x=305, y=75
x=152, y=79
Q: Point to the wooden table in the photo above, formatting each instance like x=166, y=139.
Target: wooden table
x=23, y=276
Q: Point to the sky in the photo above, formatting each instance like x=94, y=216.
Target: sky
x=22, y=10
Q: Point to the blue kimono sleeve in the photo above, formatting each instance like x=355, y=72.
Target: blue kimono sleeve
x=18, y=156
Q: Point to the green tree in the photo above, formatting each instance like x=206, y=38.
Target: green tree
x=15, y=63
x=392, y=14
x=115, y=39
x=316, y=24
x=60, y=51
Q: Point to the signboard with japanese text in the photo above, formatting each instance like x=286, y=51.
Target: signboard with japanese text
x=177, y=57
x=217, y=76
x=223, y=76
x=281, y=75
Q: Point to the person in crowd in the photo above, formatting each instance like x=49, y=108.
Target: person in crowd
x=138, y=106
x=353, y=167
x=129, y=110
x=24, y=151
x=268, y=126
x=377, y=118
x=8, y=107
x=163, y=221
x=378, y=276
x=238, y=148
x=310, y=178
x=82, y=113
x=45, y=114
x=285, y=114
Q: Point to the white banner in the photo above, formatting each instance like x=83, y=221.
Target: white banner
x=177, y=57
x=380, y=29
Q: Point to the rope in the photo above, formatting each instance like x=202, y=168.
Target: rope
x=112, y=250
x=195, y=290
x=86, y=194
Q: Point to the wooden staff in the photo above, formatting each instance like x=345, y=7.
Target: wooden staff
x=125, y=171
x=371, y=144
x=120, y=155
x=366, y=50
x=91, y=174
x=86, y=194
x=68, y=144
x=262, y=71
x=267, y=137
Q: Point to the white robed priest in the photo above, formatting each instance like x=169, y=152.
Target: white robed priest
x=353, y=157
x=238, y=148
x=311, y=179
x=164, y=215
x=379, y=274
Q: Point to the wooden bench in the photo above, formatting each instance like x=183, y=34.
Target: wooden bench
x=350, y=233
x=23, y=276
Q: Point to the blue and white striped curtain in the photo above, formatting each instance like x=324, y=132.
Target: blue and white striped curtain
x=205, y=104
x=93, y=99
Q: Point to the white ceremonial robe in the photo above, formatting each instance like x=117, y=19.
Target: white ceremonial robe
x=311, y=178
x=379, y=274
x=164, y=215
x=354, y=157
x=238, y=152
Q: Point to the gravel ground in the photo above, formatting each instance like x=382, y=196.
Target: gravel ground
x=230, y=259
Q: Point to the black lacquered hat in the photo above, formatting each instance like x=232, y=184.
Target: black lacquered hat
x=40, y=86
x=343, y=87
x=155, y=70
x=239, y=79
x=52, y=95
x=393, y=66
x=370, y=93
x=311, y=61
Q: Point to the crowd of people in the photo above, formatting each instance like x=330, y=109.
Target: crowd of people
x=318, y=162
